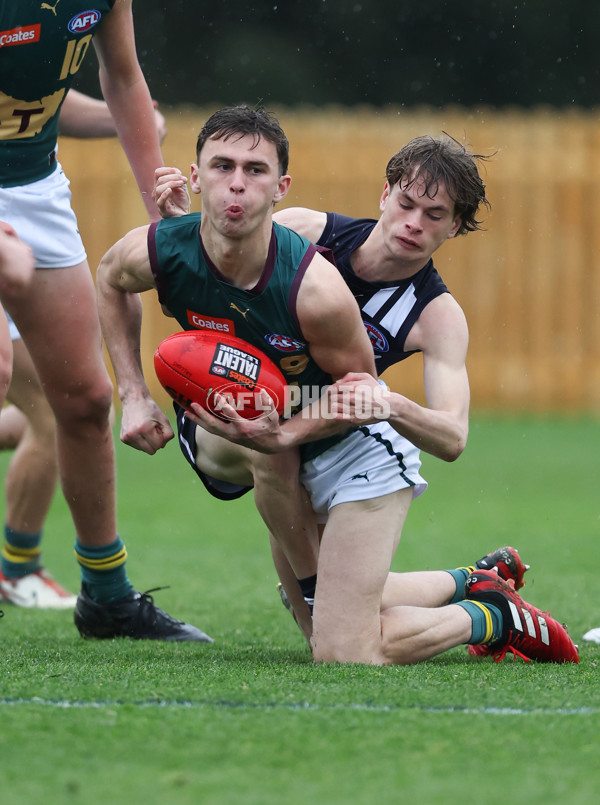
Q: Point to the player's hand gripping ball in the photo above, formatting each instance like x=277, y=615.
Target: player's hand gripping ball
x=194, y=364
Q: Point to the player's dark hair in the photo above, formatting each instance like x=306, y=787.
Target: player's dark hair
x=238, y=121
x=443, y=159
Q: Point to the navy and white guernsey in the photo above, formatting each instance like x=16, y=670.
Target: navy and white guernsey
x=389, y=309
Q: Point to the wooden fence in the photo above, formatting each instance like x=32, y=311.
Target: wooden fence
x=529, y=284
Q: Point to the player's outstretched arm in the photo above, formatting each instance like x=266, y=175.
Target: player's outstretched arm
x=128, y=97
x=83, y=117
x=124, y=272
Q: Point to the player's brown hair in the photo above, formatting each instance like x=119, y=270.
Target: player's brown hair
x=443, y=159
x=238, y=121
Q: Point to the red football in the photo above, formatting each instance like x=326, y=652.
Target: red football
x=194, y=364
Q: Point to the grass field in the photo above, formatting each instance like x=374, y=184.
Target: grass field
x=250, y=720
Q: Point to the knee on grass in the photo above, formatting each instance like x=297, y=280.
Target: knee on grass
x=331, y=648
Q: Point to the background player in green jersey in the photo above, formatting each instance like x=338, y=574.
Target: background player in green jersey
x=27, y=424
x=58, y=320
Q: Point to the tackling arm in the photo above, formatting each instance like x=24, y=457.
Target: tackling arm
x=331, y=323
x=308, y=223
x=440, y=429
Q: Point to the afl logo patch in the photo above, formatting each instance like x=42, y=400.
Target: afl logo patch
x=219, y=370
x=284, y=343
x=84, y=21
x=378, y=340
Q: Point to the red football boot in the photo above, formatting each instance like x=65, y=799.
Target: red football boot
x=507, y=564
x=527, y=631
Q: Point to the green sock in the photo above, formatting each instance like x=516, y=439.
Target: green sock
x=21, y=553
x=460, y=575
x=487, y=622
x=103, y=571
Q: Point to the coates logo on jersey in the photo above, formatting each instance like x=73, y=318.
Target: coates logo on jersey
x=378, y=340
x=201, y=322
x=20, y=36
x=284, y=343
x=82, y=22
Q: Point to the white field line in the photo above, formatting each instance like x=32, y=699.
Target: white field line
x=63, y=704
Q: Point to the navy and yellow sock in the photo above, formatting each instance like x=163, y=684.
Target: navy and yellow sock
x=487, y=622
x=21, y=553
x=308, y=587
x=103, y=571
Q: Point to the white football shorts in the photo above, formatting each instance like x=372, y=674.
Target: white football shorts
x=42, y=217
x=12, y=328
x=372, y=461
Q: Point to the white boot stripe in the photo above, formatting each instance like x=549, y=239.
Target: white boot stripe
x=529, y=623
x=545, y=634
x=515, y=616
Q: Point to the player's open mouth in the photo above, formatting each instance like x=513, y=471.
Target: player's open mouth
x=410, y=244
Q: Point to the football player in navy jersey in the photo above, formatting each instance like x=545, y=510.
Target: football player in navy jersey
x=58, y=318
x=432, y=192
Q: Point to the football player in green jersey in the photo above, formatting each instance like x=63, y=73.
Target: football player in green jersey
x=27, y=423
x=58, y=319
